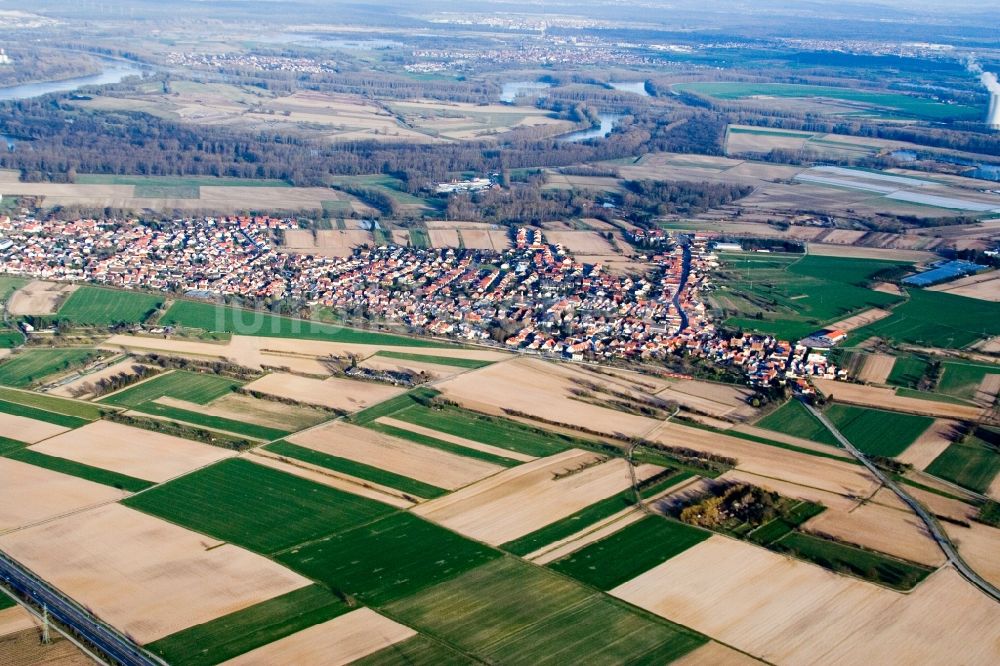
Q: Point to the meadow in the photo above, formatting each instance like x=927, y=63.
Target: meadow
x=357, y=469
x=29, y=367
x=972, y=464
x=42, y=415
x=793, y=418
x=962, y=379
x=225, y=319
x=511, y=612
x=906, y=105
x=877, y=432
x=470, y=363
x=194, y=387
x=907, y=371
x=629, y=552
x=51, y=403
x=80, y=470
x=844, y=558
x=231, y=635
x=791, y=296
x=387, y=559
x=256, y=507
x=95, y=306
x=936, y=319
x=417, y=651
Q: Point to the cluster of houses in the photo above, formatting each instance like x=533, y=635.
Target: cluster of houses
x=533, y=297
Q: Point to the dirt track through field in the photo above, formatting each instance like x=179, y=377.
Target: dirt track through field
x=147, y=577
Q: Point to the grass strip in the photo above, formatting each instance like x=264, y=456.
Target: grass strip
x=844, y=558
x=570, y=525
x=231, y=635
x=51, y=403
x=439, y=360
x=213, y=422
x=360, y=470
x=7, y=445
x=42, y=415
x=80, y=470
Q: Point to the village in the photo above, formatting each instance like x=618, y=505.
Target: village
x=532, y=297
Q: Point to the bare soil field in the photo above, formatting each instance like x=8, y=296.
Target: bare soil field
x=540, y=389
x=789, y=612
x=461, y=441
x=581, y=242
x=791, y=439
x=84, y=387
x=148, y=577
x=715, y=654
x=443, y=237
x=990, y=346
x=25, y=648
x=880, y=528
x=859, y=252
x=834, y=476
x=860, y=319
x=718, y=400
x=477, y=239
x=30, y=494
x=27, y=430
x=831, y=500
x=885, y=398
x=523, y=499
x=39, y=298
x=346, y=394
x=328, y=242
x=985, y=286
x=978, y=545
x=888, y=288
x=342, y=640
x=876, y=368
x=423, y=463
x=931, y=443
x=13, y=620
x=140, y=453
x=989, y=387
x=944, y=506
x=337, y=480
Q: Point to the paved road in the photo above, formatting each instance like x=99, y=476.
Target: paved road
x=117, y=647
x=932, y=525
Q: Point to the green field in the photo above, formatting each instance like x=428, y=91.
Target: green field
x=387, y=559
x=844, y=558
x=196, y=387
x=439, y=360
x=509, y=612
x=167, y=191
x=94, y=306
x=255, y=506
x=51, y=403
x=236, y=427
x=972, y=464
x=434, y=442
x=8, y=445
x=6, y=602
x=175, y=181
x=209, y=317
x=42, y=415
x=419, y=237
x=962, y=379
x=10, y=284
x=80, y=470
x=629, y=552
x=878, y=432
x=899, y=103
x=9, y=338
x=790, y=296
x=936, y=319
x=793, y=418
x=237, y=633
x=770, y=532
x=391, y=187
x=30, y=366
x=417, y=651
x=907, y=371
x=572, y=524
x=360, y=470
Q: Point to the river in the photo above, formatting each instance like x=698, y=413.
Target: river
x=608, y=122
x=114, y=71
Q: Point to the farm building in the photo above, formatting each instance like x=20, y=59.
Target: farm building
x=943, y=272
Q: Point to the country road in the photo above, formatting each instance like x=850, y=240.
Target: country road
x=118, y=648
x=932, y=525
